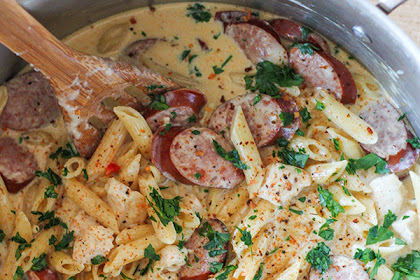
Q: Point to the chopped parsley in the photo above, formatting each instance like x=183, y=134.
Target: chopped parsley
x=326, y=199
x=217, y=240
x=287, y=118
x=50, y=192
x=197, y=175
x=167, y=127
x=153, y=87
x=158, y=102
x=231, y=156
x=218, y=70
x=18, y=273
x=407, y=266
x=195, y=132
x=377, y=234
x=305, y=32
x=39, y=263
x=65, y=153
x=346, y=191
x=298, y=212
x=302, y=199
x=399, y=241
x=97, y=260
x=166, y=209
x=299, y=132
x=228, y=269
x=246, y=237
x=319, y=257
x=215, y=267
x=192, y=119
x=50, y=176
x=50, y=219
x=198, y=13
x=52, y=240
x=414, y=142
x=125, y=276
x=22, y=244
x=173, y=115
x=304, y=113
x=307, y=48
x=291, y=157
x=319, y=106
x=2, y=235
x=257, y=99
x=184, y=54
x=149, y=253
x=258, y=275
x=65, y=241
x=325, y=231
x=282, y=142
x=336, y=144
x=371, y=160
x=401, y=117
x=365, y=255
x=270, y=76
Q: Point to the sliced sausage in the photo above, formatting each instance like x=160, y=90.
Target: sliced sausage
x=135, y=50
x=161, y=144
x=45, y=274
x=194, y=156
x=292, y=31
x=325, y=71
x=17, y=164
x=183, y=103
x=31, y=103
x=392, y=134
x=258, y=40
x=404, y=159
x=230, y=17
x=200, y=270
x=263, y=118
x=342, y=268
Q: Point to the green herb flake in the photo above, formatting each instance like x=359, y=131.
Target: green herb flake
x=401, y=117
x=231, y=156
x=377, y=234
x=18, y=273
x=217, y=240
x=97, y=260
x=215, y=267
x=125, y=276
x=287, y=118
x=50, y=176
x=258, y=275
x=327, y=200
x=65, y=241
x=304, y=113
x=307, y=48
x=257, y=99
x=195, y=132
x=319, y=106
x=85, y=174
x=167, y=127
x=39, y=263
x=216, y=36
x=173, y=115
x=227, y=270
x=414, y=142
x=166, y=209
x=336, y=144
x=270, y=76
x=198, y=13
x=158, y=102
x=184, y=54
x=399, y=241
x=192, y=119
x=298, y=212
x=305, y=32
x=197, y=175
x=50, y=192
x=319, y=257
x=407, y=267
x=291, y=157
x=282, y=142
x=371, y=160
x=52, y=240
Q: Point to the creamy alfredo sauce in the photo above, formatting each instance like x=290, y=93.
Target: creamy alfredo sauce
x=109, y=36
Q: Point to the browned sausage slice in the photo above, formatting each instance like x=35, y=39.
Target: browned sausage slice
x=258, y=40
x=342, y=268
x=31, y=103
x=263, y=118
x=200, y=270
x=292, y=31
x=161, y=144
x=183, y=103
x=325, y=71
x=194, y=156
x=45, y=274
x=135, y=50
x=17, y=165
x=392, y=134
x=404, y=160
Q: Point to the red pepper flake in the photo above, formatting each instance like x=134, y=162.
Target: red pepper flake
x=111, y=169
x=133, y=20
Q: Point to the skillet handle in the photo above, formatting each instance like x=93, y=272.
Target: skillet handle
x=387, y=6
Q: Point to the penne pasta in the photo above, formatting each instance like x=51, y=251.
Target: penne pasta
x=137, y=127
x=346, y=120
x=91, y=203
x=248, y=152
x=7, y=218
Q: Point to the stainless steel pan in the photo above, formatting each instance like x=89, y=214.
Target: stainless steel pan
x=362, y=29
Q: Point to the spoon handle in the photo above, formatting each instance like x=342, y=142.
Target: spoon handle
x=27, y=38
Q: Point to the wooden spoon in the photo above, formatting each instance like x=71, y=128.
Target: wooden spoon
x=81, y=82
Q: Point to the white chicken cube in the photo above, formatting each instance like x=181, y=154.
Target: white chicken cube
x=407, y=226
